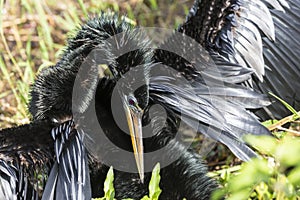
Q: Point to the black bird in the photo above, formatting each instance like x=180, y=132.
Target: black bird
x=261, y=36
x=52, y=100
x=225, y=118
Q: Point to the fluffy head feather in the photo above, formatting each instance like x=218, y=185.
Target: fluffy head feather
x=103, y=42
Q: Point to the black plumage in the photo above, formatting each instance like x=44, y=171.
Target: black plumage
x=260, y=36
x=25, y=154
x=52, y=100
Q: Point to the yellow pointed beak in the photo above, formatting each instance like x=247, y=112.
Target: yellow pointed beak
x=134, y=120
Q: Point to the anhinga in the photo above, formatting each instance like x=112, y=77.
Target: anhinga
x=52, y=102
x=219, y=110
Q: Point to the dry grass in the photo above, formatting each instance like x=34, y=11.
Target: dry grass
x=33, y=35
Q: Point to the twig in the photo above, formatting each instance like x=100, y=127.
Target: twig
x=283, y=121
x=294, y=133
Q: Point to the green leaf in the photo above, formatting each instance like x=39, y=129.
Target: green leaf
x=153, y=4
x=269, y=122
x=265, y=144
x=294, y=176
x=154, y=190
x=252, y=173
x=218, y=194
x=109, y=189
x=288, y=150
x=145, y=198
x=243, y=194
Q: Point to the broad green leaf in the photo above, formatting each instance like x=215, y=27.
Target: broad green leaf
x=294, y=176
x=265, y=144
x=288, y=150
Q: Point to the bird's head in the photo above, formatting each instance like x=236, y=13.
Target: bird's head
x=117, y=55
x=130, y=73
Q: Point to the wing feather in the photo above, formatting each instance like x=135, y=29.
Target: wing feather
x=69, y=177
x=25, y=152
x=259, y=34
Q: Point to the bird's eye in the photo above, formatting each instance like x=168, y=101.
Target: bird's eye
x=131, y=101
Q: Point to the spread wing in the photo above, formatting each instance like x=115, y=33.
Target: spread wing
x=25, y=152
x=218, y=111
x=282, y=62
x=32, y=164
x=206, y=92
x=258, y=34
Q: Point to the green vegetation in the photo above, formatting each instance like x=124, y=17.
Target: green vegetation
x=273, y=175
x=154, y=190
x=276, y=175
